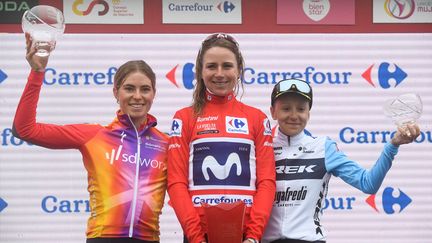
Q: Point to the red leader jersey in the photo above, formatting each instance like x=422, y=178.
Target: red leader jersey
x=223, y=155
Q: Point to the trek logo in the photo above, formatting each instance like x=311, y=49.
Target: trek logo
x=236, y=125
x=399, y=9
x=229, y=166
x=176, y=128
x=90, y=7
x=384, y=75
x=187, y=76
x=226, y=6
x=3, y=76
x=388, y=200
x=296, y=169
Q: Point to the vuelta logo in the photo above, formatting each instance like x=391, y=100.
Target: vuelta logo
x=384, y=75
x=388, y=200
x=187, y=76
x=90, y=7
x=399, y=9
x=226, y=6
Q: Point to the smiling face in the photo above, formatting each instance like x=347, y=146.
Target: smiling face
x=220, y=70
x=135, y=96
x=292, y=113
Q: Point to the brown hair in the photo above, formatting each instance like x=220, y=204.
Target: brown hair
x=219, y=40
x=131, y=67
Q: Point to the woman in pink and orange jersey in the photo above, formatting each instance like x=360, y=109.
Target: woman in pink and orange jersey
x=126, y=195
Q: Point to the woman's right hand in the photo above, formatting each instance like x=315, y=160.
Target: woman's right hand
x=37, y=63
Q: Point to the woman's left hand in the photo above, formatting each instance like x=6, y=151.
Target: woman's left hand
x=406, y=134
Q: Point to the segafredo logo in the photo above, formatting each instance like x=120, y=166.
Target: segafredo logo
x=383, y=75
x=388, y=201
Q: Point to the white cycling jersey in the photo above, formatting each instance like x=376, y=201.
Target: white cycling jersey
x=304, y=165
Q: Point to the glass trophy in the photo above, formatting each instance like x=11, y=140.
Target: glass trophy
x=44, y=24
x=405, y=109
x=225, y=222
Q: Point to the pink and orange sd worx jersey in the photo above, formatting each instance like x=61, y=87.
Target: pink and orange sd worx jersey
x=223, y=155
x=126, y=166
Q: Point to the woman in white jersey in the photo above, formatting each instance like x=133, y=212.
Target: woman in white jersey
x=304, y=165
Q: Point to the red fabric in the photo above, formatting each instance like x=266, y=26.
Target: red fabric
x=212, y=124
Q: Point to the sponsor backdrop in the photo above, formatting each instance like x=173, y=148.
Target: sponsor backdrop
x=43, y=195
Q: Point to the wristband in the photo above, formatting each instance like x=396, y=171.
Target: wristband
x=251, y=240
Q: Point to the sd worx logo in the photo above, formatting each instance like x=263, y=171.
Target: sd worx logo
x=388, y=201
x=384, y=74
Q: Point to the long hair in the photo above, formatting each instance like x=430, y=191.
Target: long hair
x=219, y=40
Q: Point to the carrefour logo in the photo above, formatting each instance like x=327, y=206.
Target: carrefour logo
x=383, y=75
x=56, y=77
x=226, y=6
x=388, y=201
x=184, y=76
x=3, y=76
x=399, y=9
x=187, y=76
x=102, y=3
x=351, y=135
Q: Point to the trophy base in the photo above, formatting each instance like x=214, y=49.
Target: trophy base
x=225, y=222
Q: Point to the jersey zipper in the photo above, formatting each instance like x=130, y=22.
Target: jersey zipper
x=135, y=188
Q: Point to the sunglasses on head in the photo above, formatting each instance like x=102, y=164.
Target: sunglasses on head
x=294, y=85
x=217, y=36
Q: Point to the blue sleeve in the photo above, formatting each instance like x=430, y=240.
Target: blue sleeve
x=368, y=181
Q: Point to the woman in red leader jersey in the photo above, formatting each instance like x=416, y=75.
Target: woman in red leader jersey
x=220, y=149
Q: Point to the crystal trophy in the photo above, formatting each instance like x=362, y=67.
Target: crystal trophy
x=225, y=222
x=44, y=24
x=405, y=109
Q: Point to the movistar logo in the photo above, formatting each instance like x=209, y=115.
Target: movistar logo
x=220, y=171
x=383, y=75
